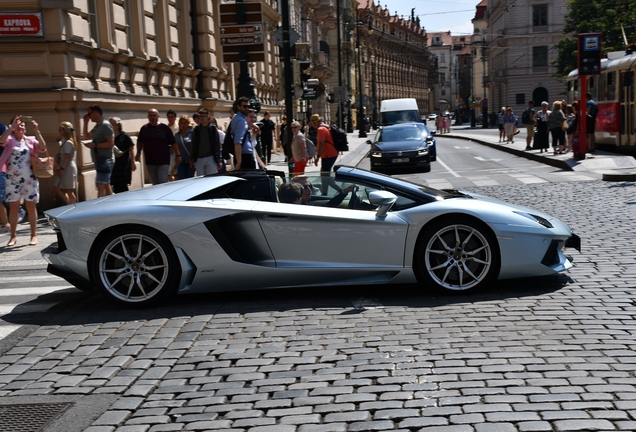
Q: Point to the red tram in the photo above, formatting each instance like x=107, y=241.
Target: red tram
x=614, y=92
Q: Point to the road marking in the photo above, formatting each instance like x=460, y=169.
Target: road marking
x=29, y=278
x=479, y=158
x=6, y=330
x=459, y=147
x=6, y=292
x=530, y=179
x=25, y=308
x=488, y=182
x=439, y=161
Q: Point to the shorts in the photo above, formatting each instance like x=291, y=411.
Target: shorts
x=530, y=130
x=102, y=178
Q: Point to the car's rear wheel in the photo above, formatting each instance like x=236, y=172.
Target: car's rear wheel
x=457, y=254
x=136, y=267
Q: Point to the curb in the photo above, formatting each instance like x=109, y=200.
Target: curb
x=616, y=177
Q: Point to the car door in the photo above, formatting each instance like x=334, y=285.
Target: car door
x=314, y=236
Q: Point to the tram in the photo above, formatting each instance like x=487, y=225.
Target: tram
x=613, y=90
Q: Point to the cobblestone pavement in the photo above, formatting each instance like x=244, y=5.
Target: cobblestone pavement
x=541, y=354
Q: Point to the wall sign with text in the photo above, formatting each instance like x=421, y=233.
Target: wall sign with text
x=21, y=24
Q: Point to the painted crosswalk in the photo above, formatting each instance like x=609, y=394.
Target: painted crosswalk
x=28, y=294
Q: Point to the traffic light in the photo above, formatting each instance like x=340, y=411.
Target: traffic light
x=296, y=72
x=305, y=70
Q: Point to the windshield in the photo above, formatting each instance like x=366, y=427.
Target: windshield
x=394, y=117
x=401, y=134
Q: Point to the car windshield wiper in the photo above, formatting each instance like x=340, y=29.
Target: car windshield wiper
x=456, y=193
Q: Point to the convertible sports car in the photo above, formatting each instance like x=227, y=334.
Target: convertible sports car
x=229, y=232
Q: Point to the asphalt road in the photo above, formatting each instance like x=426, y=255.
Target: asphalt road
x=540, y=354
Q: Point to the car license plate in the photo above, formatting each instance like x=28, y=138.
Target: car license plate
x=400, y=160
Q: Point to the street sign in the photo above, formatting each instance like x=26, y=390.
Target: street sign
x=293, y=37
x=340, y=93
x=241, y=40
x=253, y=13
x=248, y=35
x=21, y=24
x=245, y=29
x=589, y=54
x=309, y=93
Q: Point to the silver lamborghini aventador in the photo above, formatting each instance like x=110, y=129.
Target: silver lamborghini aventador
x=229, y=232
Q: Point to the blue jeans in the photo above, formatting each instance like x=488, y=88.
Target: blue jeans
x=184, y=171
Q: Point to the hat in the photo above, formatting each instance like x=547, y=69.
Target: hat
x=315, y=117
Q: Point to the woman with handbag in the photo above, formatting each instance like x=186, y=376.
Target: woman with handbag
x=66, y=174
x=21, y=182
x=124, y=150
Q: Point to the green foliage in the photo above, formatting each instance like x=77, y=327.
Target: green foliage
x=594, y=16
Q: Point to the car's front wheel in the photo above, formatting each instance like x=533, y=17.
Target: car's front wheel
x=136, y=267
x=457, y=254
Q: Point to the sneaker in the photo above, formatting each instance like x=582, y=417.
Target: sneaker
x=21, y=215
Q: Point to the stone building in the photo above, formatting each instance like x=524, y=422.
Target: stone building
x=127, y=56
x=521, y=37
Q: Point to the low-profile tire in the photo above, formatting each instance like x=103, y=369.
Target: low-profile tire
x=457, y=254
x=136, y=267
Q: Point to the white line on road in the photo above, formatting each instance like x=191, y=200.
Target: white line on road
x=439, y=161
x=6, y=292
x=29, y=278
x=6, y=330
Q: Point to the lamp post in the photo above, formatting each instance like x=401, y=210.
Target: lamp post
x=361, y=127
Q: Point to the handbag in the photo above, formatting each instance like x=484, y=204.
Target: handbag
x=42, y=166
x=118, y=153
x=104, y=164
x=564, y=125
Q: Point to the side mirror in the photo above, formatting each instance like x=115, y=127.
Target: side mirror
x=433, y=132
x=384, y=200
x=369, y=142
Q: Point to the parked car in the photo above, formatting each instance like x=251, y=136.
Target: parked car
x=432, y=116
x=228, y=232
x=402, y=146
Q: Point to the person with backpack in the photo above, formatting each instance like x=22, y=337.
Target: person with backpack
x=527, y=118
x=327, y=152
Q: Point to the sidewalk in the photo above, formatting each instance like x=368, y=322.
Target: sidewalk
x=613, y=167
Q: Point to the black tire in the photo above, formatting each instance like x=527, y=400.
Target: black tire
x=135, y=267
x=458, y=253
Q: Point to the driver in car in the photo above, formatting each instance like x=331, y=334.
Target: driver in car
x=308, y=188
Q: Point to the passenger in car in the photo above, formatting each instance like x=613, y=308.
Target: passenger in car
x=308, y=189
x=290, y=193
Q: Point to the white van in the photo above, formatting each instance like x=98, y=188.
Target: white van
x=393, y=111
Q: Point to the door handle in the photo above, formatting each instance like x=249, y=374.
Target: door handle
x=276, y=217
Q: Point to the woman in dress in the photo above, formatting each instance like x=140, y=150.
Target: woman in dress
x=21, y=183
x=124, y=150
x=299, y=150
x=184, y=140
x=541, y=138
x=66, y=174
x=555, y=120
x=510, y=120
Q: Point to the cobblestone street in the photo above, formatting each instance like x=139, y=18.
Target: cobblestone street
x=542, y=354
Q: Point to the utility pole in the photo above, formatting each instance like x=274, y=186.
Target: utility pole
x=245, y=86
x=287, y=66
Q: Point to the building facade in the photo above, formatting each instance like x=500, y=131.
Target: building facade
x=521, y=37
x=479, y=48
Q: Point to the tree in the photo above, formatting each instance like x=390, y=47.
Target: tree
x=594, y=16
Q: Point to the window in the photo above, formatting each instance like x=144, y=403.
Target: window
x=540, y=56
x=540, y=15
x=442, y=77
x=92, y=20
x=443, y=93
x=442, y=58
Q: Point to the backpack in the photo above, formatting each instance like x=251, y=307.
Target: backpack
x=311, y=147
x=525, y=117
x=339, y=138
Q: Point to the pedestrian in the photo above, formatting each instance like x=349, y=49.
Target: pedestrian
x=573, y=124
x=591, y=112
x=527, y=118
x=184, y=141
x=282, y=137
x=21, y=183
x=328, y=154
x=299, y=150
x=221, y=140
x=244, y=148
x=555, y=121
x=171, y=116
x=542, y=137
x=66, y=174
x=268, y=129
x=124, y=158
x=500, y=121
x=102, y=139
x=196, y=119
x=510, y=120
x=251, y=141
x=206, y=147
x=155, y=140
x=4, y=218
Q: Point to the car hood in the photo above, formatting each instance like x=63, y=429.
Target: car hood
x=399, y=145
x=512, y=207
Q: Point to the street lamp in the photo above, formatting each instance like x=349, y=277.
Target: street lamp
x=361, y=127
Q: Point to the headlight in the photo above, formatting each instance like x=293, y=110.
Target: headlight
x=538, y=219
x=53, y=222
x=376, y=154
x=422, y=152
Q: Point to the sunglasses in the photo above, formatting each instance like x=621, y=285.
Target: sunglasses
x=245, y=106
